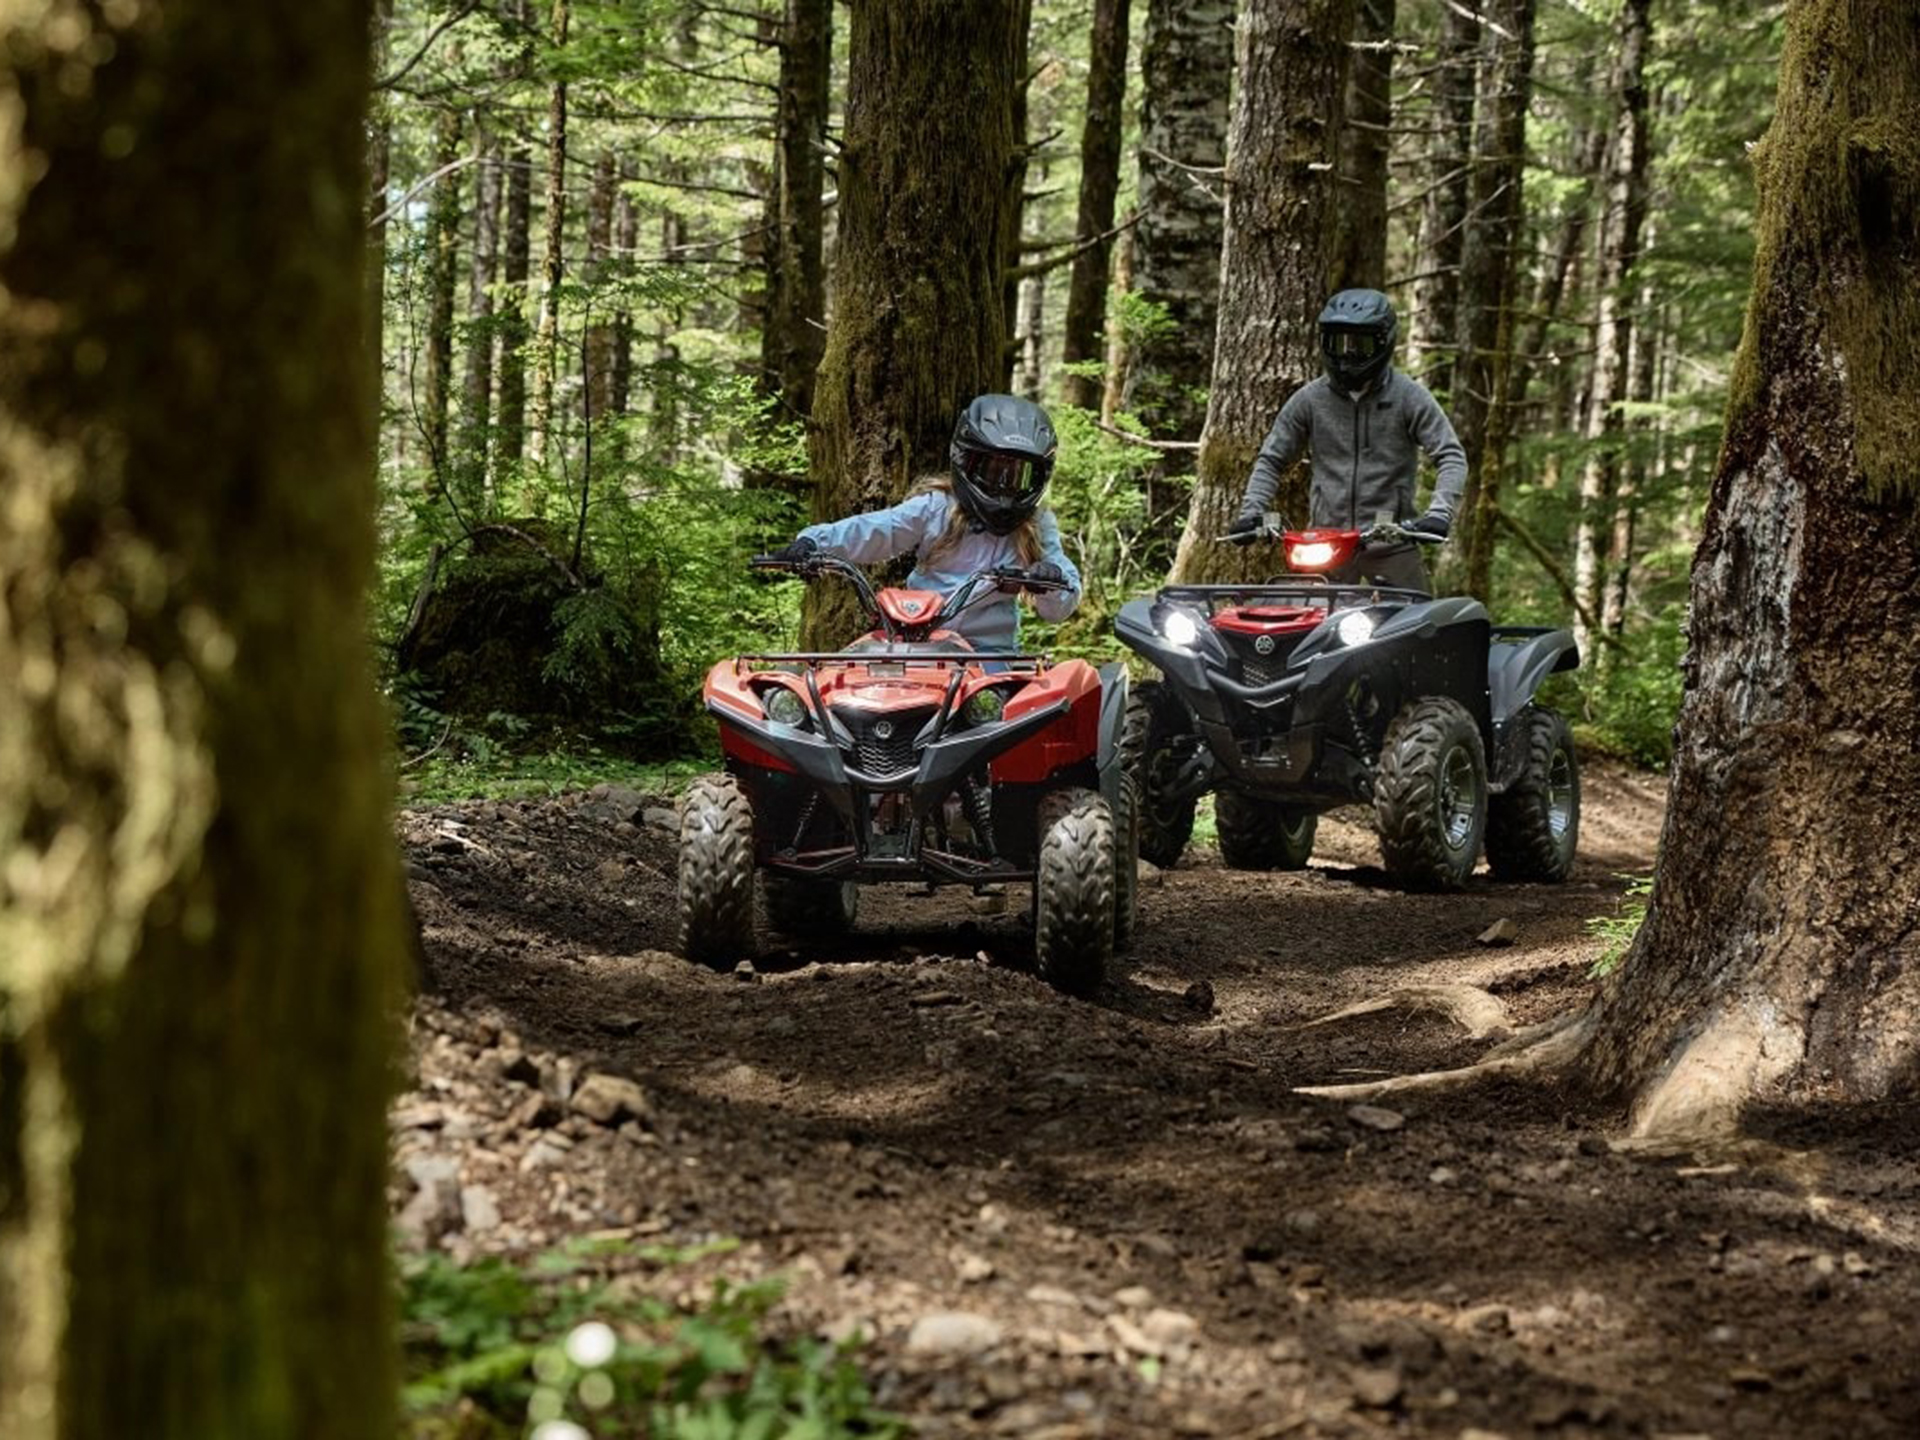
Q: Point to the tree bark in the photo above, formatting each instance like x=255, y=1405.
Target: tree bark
x=1030, y=334
x=1495, y=231
x=1647, y=342
x=626, y=241
x=1360, y=251
x=477, y=386
x=200, y=906
x=1187, y=70
x=1119, y=360
x=1613, y=284
x=1780, y=958
x=917, y=328
x=1013, y=201
x=599, y=341
x=1433, y=334
x=516, y=256
x=1289, y=99
x=553, y=269
x=1099, y=184
x=443, y=263
x=379, y=173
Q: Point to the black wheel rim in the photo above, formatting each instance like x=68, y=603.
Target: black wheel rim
x=1458, y=797
x=1560, y=792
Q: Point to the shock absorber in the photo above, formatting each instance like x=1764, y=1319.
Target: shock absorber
x=979, y=802
x=806, y=819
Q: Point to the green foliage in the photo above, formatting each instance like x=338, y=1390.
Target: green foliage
x=1629, y=705
x=577, y=1345
x=1616, y=931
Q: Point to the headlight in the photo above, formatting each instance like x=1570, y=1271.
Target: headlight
x=1314, y=555
x=783, y=706
x=1180, y=628
x=1355, y=627
x=984, y=707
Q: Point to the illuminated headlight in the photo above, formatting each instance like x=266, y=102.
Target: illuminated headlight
x=1314, y=555
x=1180, y=628
x=1354, y=628
x=783, y=706
x=984, y=707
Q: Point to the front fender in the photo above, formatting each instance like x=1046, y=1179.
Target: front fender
x=1519, y=661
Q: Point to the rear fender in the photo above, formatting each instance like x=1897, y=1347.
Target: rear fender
x=1113, y=720
x=1518, y=663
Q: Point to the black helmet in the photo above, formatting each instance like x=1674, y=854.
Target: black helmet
x=1002, y=453
x=1356, y=337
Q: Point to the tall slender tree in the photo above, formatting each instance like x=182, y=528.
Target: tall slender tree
x=1013, y=203
x=553, y=268
x=1099, y=184
x=1360, y=251
x=476, y=408
x=435, y=404
x=917, y=328
x=200, y=905
x=1619, y=253
x=1289, y=95
x=379, y=167
x=795, y=335
x=1779, y=957
x=1433, y=331
x=1187, y=71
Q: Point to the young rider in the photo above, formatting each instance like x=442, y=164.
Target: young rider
x=1365, y=424
x=985, y=514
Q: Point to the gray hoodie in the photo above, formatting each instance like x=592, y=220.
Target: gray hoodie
x=1366, y=453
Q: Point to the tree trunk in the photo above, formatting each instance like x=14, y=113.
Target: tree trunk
x=1099, y=184
x=443, y=263
x=917, y=331
x=626, y=242
x=516, y=255
x=1495, y=231
x=546, y=335
x=1013, y=202
x=1434, y=331
x=1187, y=70
x=1633, y=480
x=1619, y=251
x=599, y=342
x=477, y=388
x=1119, y=362
x=1031, y=332
x=1360, y=251
x=1289, y=97
x=1780, y=958
x=200, y=907
x=379, y=174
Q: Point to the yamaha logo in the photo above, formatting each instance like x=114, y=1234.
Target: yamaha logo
x=1264, y=644
x=909, y=607
x=883, y=730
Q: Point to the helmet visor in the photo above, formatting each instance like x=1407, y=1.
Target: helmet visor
x=1351, y=344
x=1001, y=476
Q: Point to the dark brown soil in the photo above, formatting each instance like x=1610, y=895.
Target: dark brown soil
x=1153, y=1234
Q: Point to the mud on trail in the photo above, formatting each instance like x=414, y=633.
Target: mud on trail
x=1059, y=1218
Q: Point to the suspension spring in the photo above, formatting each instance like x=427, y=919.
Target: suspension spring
x=806, y=819
x=980, y=812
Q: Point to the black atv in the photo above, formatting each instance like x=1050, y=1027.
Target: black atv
x=1312, y=691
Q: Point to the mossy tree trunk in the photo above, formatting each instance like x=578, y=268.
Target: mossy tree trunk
x=1780, y=958
x=917, y=326
x=1289, y=100
x=1186, y=73
x=1099, y=184
x=200, y=905
x=1360, y=252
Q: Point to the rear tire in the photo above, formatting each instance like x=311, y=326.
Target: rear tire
x=1263, y=834
x=800, y=908
x=1430, y=795
x=1534, y=826
x=716, y=872
x=1126, y=866
x=1073, y=891
x=1155, y=717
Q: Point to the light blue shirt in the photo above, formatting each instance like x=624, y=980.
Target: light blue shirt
x=992, y=623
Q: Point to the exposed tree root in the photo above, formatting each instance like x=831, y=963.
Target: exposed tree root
x=1476, y=1011
x=1550, y=1046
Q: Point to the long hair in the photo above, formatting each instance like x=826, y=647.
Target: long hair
x=1026, y=535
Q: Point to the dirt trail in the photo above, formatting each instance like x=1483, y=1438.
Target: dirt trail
x=1067, y=1219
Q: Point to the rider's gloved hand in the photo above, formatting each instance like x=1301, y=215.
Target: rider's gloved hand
x=796, y=551
x=1047, y=573
x=1431, y=523
x=1244, y=530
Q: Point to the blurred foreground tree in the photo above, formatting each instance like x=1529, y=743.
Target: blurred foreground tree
x=200, y=915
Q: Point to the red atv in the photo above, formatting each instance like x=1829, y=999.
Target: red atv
x=912, y=756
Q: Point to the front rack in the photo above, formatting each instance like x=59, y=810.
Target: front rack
x=1308, y=590
x=899, y=655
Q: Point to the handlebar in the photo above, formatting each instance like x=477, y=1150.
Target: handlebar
x=1386, y=532
x=816, y=564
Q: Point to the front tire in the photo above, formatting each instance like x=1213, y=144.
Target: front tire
x=1430, y=795
x=801, y=908
x=1534, y=826
x=1073, y=891
x=1155, y=719
x=716, y=872
x=1263, y=834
